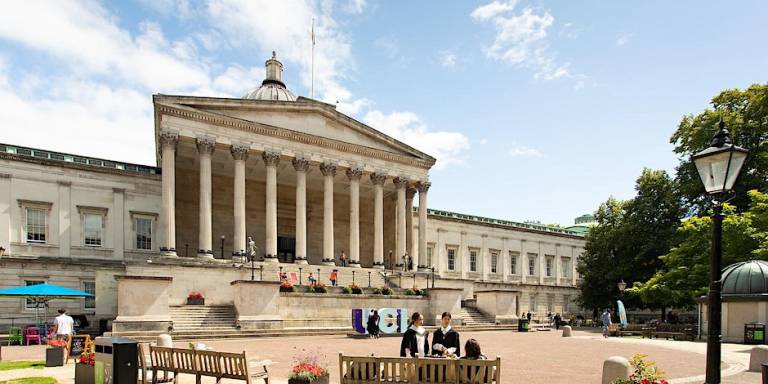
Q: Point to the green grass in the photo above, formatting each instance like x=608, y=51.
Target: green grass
x=21, y=364
x=31, y=380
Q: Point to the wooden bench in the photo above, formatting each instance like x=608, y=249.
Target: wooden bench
x=219, y=365
x=375, y=370
x=633, y=330
x=674, y=331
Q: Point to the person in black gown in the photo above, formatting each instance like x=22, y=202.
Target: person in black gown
x=373, y=325
x=415, y=339
x=446, y=341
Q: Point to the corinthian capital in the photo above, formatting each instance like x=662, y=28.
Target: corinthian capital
x=239, y=151
x=300, y=164
x=328, y=168
x=271, y=158
x=423, y=186
x=206, y=144
x=169, y=139
x=378, y=178
x=400, y=182
x=354, y=173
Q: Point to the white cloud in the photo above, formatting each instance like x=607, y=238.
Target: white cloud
x=388, y=45
x=524, y=151
x=521, y=39
x=355, y=6
x=482, y=141
x=490, y=10
x=623, y=39
x=448, y=59
x=447, y=147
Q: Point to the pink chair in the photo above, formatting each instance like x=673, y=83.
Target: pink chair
x=32, y=333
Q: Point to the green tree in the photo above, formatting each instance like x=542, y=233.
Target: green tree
x=628, y=240
x=685, y=274
x=745, y=113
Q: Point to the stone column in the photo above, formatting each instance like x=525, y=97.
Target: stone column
x=523, y=261
x=301, y=165
x=329, y=171
x=378, y=180
x=118, y=222
x=400, y=249
x=574, y=260
x=556, y=264
x=168, y=142
x=205, y=147
x=240, y=155
x=271, y=159
x=354, y=175
x=504, y=261
x=409, y=194
x=423, y=187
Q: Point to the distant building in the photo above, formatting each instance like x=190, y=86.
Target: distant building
x=582, y=224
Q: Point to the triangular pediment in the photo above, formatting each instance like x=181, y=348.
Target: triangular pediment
x=304, y=116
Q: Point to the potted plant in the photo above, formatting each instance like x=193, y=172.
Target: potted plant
x=646, y=372
x=84, y=368
x=355, y=289
x=308, y=370
x=286, y=286
x=319, y=288
x=386, y=291
x=195, y=298
x=54, y=354
x=346, y=290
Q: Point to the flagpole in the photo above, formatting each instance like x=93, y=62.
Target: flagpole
x=313, y=58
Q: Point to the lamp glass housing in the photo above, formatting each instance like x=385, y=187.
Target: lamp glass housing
x=719, y=167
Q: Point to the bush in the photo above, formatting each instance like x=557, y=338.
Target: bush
x=346, y=290
x=409, y=292
x=646, y=372
x=319, y=288
x=386, y=291
x=355, y=289
x=286, y=286
x=376, y=291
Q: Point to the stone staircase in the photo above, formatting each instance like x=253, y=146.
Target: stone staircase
x=202, y=318
x=345, y=274
x=471, y=317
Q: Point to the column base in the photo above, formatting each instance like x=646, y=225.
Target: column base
x=169, y=253
x=353, y=264
x=424, y=268
x=271, y=260
x=205, y=254
x=301, y=261
x=330, y=263
x=378, y=266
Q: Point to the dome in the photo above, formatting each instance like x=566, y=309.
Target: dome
x=746, y=278
x=272, y=88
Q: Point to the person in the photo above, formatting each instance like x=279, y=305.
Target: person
x=415, y=341
x=410, y=262
x=284, y=276
x=472, y=351
x=557, y=319
x=334, y=277
x=528, y=316
x=373, y=325
x=405, y=262
x=446, y=341
x=605, y=318
x=343, y=259
x=64, y=324
x=311, y=279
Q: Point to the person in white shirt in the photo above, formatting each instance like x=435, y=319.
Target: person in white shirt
x=64, y=325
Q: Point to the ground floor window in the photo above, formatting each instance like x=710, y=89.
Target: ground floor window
x=429, y=256
x=30, y=303
x=513, y=263
x=473, y=261
x=90, y=287
x=494, y=261
x=451, y=259
x=143, y=233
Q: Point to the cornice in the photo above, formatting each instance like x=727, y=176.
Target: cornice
x=207, y=117
x=112, y=171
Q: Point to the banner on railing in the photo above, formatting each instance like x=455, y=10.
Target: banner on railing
x=391, y=320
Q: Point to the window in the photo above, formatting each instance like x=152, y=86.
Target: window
x=90, y=287
x=473, y=261
x=566, y=304
x=550, y=262
x=143, y=233
x=451, y=259
x=533, y=304
x=566, y=263
x=36, y=225
x=494, y=261
x=531, y=264
x=92, y=228
x=513, y=263
x=429, y=256
x=31, y=303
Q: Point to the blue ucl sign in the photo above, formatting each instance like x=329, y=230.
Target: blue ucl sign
x=391, y=320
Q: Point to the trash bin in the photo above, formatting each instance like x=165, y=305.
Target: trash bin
x=754, y=333
x=117, y=360
x=764, y=367
x=522, y=325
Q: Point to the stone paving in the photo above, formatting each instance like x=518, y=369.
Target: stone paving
x=535, y=358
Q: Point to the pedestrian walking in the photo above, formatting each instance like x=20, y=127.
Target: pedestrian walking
x=605, y=318
x=343, y=259
x=334, y=277
x=64, y=324
x=558, y=319
x=373, y=325
x=312, y=279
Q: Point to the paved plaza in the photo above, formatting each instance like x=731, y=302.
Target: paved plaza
x=538, y=357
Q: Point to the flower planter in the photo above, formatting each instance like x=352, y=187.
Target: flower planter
x=321, y=380
x=191, y=301
x=54, y=357
x=84, y=373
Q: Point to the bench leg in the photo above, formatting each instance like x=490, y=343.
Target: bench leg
x=198, y=378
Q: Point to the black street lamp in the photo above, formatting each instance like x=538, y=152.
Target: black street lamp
x=719, y=167
x=222, y=246
x=433, y=277
x=300, y=268
x=369, y=279
x=353, y=277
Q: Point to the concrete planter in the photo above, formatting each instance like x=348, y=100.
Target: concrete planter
x=54, y=357
x=191, y=301
x=84, y=373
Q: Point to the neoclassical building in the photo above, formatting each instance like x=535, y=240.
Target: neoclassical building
x=288, y=179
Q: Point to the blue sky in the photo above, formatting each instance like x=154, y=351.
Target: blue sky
x=535, y=110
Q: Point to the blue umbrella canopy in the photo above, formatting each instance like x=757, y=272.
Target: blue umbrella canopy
x=49, y=291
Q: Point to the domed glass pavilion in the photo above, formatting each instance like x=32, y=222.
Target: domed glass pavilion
x=745, y=298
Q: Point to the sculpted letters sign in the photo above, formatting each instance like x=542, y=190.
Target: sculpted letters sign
x=391, y=320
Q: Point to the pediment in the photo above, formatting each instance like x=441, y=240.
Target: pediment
x=304, y=116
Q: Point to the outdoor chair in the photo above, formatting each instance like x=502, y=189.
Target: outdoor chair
x=14, y=335
x=32, y=333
